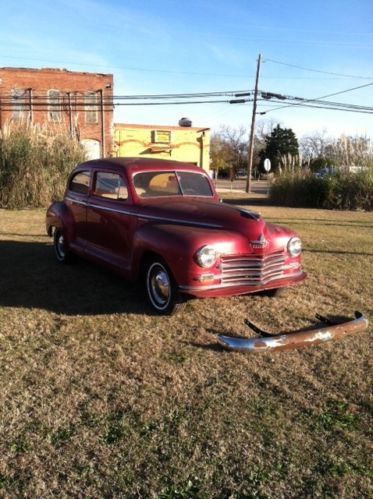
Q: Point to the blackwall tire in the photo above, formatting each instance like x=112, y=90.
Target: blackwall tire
x=161, y=290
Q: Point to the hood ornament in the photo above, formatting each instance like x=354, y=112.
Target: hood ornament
x=260, y=243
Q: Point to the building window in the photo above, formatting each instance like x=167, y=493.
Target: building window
x=20, y=104
x=161, y=136
x=91, y=107
x=54, y=105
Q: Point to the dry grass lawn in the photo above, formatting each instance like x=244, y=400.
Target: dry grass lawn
x=100, y=398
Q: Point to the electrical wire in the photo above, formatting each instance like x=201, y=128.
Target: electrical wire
x=318, y=70
x=362, y=111
x=321, y=97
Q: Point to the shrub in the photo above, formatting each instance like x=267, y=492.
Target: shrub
x=34, y=164
x=344, y=191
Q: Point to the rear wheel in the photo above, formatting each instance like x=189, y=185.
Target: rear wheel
x=161, y=289
x=60, y=250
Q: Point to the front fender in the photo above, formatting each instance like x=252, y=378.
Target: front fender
x=177, y=245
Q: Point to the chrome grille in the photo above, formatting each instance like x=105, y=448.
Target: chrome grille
x=253, y=270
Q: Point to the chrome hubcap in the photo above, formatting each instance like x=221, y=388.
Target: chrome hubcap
x=60, y=246
x=160, y=285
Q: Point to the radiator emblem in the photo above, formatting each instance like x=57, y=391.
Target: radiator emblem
x=259, y=243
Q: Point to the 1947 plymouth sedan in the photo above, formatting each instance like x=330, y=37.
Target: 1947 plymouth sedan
x=162, y=221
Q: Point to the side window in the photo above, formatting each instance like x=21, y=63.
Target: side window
x=80, y=183
x=110, y=186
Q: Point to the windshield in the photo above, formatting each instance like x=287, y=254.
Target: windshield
x=155, y=184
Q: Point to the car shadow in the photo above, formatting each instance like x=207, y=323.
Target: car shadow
x=30, y=277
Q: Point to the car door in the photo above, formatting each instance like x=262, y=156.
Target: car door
x=76, y=200
x=110, y=219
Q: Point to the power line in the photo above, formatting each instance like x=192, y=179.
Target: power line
x=362, y=111
x=321, y=97
x=36, y=96
x=319, y=70
x=126, y=68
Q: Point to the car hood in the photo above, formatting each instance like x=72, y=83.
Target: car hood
x=211, y=214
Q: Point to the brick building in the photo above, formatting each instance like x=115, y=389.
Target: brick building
x=80, y=102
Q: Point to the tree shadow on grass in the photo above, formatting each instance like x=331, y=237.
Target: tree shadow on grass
x=30, y=277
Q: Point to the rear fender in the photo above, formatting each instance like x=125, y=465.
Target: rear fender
x=59, y=217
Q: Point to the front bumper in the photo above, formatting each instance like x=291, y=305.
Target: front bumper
x=328, y=330
x=241, y=288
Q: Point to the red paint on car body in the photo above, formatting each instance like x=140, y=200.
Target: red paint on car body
x=120, y=232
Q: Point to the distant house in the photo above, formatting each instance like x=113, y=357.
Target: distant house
x=80, y=102
x=181, y=143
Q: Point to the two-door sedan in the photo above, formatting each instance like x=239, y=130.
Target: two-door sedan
x=163, y=222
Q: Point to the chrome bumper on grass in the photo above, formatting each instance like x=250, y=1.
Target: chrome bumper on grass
x=329, y=330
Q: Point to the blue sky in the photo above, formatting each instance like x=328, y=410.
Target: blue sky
x=170, y=46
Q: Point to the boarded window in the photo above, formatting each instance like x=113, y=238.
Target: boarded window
x=91, y=107
x=20, y=104
x=54, y=105
x=161, y=136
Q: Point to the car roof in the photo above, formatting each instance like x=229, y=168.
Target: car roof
x=139, y=164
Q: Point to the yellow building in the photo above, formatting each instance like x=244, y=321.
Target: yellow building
x=180, y=143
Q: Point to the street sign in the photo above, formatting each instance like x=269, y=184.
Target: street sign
x=267, y=164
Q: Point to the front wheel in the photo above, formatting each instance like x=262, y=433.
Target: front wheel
x=161, y=289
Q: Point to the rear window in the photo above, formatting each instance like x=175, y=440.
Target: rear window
x=155, y=184
x=80, y=183
x=194, y=184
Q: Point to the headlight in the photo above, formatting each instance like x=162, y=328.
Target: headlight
x=206, y=256
x=295, y=246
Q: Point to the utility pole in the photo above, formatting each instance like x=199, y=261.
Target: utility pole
x=70, y=114
x=103, y=148
x=252, y=131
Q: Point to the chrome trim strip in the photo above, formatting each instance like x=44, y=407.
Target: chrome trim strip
x=144, y=216
x=73, y=200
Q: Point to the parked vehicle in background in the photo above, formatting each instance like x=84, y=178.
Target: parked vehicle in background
x=162, y=222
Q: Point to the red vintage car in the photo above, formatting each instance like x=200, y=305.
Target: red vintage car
x=163, y=222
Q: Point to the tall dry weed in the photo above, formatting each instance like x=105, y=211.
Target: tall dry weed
x=34, y=164
x=343, y=191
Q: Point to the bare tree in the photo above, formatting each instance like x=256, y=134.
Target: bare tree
x=320, y=150
x=314, y=146
x=229, y=149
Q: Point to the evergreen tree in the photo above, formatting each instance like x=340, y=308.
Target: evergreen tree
x=282, y=148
